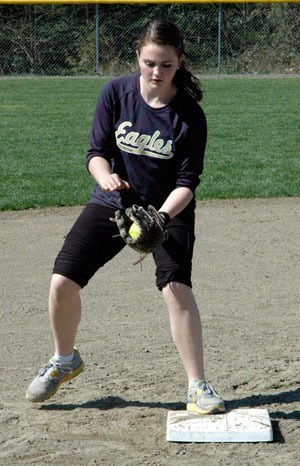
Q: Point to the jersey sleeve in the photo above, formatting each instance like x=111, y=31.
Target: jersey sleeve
x=191, y=155
x=102, y=137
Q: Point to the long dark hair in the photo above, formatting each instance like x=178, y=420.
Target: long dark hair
x=166, y=33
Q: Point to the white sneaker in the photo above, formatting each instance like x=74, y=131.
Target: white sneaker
x=50, y=377
x=203, y=399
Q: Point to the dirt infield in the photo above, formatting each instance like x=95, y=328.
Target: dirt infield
x=246, y=280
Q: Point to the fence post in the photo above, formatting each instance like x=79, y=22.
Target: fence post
x=219, y=38
x=97, y=39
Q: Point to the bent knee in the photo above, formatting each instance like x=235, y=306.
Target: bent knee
x=179, y=290
x=63, y=287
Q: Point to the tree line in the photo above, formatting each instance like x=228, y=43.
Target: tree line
x=61, y=39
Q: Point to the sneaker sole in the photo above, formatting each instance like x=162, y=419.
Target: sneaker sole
x=64, y=379
x=193, y=408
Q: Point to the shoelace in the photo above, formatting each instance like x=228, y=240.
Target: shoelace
x=206, y=388
x=52, y=365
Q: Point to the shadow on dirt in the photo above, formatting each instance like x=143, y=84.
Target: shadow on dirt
x=252, y=401
x=112, y=402
x=283, y=398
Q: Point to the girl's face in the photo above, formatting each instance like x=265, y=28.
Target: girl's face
x=158, y=65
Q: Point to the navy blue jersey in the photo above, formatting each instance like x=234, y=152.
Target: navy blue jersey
x=155, y=149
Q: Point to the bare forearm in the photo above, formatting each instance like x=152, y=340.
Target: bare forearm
x=177, y=201
x=101, y=171
x=99, y=168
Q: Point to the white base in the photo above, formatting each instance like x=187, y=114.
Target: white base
x=239, y=425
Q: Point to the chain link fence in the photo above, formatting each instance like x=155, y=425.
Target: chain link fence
x=88, y=39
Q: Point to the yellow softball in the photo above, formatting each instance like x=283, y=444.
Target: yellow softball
x=134, y=231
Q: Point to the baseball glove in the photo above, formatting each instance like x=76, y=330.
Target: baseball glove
x=143, y=230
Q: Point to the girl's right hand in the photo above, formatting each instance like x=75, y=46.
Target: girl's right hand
x=113, y=182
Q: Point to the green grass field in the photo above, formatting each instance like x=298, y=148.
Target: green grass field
x=253, y=147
